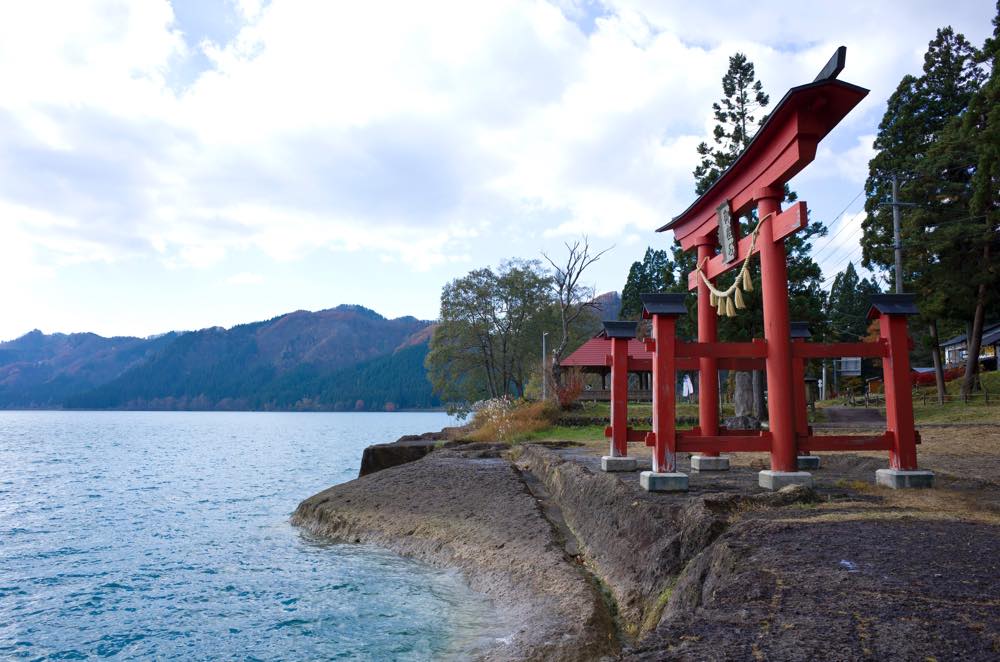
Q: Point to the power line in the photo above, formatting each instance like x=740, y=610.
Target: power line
x=856, y=230
x=843, y=223
x=848, y=258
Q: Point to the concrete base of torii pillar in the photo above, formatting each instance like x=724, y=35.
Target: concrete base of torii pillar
x=652, y=481
x=707, y=463
x=899, y=479
x=775, y=480
x=617, y=463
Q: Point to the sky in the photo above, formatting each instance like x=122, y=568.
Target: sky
x=195, y=163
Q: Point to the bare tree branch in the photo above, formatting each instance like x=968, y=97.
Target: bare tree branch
x=572, y=297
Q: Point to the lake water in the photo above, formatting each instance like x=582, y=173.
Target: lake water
x=165, y=535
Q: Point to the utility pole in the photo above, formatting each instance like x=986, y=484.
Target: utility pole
x=897, y=243
x=545, y=372
x=823, y=390
x=898, y=247
x=897, y=240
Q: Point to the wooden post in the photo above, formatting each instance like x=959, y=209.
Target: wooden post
x=619, y=397
x=800, y=333
x=898, y=398
x=708, y=369
x=664, y=394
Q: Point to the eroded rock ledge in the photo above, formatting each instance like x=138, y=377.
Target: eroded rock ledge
x=588, y=566
x=469, y=509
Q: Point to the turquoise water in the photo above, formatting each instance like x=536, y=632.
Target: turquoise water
x=165, y=535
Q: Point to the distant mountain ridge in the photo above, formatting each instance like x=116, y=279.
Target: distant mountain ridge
x=300, y=360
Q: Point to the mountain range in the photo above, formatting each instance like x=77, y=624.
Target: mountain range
x=344, y=358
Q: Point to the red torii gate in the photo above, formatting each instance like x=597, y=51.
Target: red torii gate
x=785, y=144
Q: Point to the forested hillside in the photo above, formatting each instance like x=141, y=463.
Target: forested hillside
x=345, y=358
x=39, y=370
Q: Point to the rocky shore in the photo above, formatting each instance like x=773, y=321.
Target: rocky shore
x=584, y=565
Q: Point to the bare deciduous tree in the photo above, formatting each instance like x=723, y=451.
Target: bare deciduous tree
x=573, y=298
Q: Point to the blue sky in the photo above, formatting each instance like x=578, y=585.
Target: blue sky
x=195, y=163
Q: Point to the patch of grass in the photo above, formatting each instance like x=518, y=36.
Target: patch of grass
x=855, y=485
x=928, y=410
x=929, y=505
x=641, y=409
x=975, y=411
x=654, y=613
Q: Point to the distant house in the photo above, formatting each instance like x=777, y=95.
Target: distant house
x=955, y=349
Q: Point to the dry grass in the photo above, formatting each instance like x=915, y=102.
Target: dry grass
x=937, y=504
x=512, y=422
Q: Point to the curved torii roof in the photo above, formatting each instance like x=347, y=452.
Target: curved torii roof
x=783, y=146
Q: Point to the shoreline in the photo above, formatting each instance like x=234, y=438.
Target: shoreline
x=468, y=509
x=589, y=566
x=441, y=410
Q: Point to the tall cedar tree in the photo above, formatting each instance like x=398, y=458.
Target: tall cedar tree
x=656, y=273
x=970, y=144
x=847, y=306
x=737, y=117
x=921, y=141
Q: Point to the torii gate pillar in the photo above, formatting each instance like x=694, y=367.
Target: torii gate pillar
x=708, y=371
x=777, y=334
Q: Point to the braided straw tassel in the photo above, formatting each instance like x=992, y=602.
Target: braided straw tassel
x=727, y=301
x=738, y=296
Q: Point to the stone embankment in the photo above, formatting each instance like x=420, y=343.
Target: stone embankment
x=585, y=565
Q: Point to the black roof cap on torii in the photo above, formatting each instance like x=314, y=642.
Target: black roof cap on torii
x=826, y=78
x=663, y=303
x=801, y=330
x=893, y=304
x=620, y=329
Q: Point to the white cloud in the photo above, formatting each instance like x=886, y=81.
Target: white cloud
x=245, y=278
x=415, y=131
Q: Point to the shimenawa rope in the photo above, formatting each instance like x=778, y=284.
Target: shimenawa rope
x=727, y=301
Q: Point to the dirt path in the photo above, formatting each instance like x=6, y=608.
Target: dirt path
x=837, y=417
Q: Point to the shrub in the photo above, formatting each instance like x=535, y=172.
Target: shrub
x=506, y=420
x=569, y=391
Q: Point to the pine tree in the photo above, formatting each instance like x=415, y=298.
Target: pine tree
x=743, y=96
x=738, y=121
